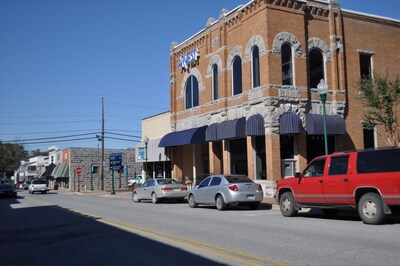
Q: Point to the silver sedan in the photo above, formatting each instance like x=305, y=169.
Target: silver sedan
x=224, y=190
x=160, y=188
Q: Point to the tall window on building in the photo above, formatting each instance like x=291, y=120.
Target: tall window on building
x=369, y=138
x=255, y=60
x=287, y=70
x=192, y=92
x=237, y=75
x=316, y=67
x=215, y=82
x=365, y=66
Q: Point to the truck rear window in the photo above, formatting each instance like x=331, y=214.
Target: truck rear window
x=378, y=161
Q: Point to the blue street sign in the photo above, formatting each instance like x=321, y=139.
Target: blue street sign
x=115, y=161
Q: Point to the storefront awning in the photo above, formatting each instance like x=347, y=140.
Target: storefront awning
x=255, y=126
x=49, y=170
x=232, y=129
x=335, y=124
x=290, y=123
x=211, y=132
x=60, y=167
x=184, y=137
x=154, y=152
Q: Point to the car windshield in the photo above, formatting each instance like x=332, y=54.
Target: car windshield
x=5, y=186
x=166, y=181
x=238, y=179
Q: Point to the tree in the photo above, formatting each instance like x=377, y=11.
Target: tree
x=10, y=157
x=381, y=97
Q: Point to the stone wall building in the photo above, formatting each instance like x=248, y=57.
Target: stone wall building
x=244, y=96
x=89, y=160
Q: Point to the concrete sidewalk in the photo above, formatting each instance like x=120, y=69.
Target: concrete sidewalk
x=128, y=195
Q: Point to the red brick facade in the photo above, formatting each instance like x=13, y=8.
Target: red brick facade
x=340, y=36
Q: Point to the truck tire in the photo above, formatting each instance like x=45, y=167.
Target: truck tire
x=287, y=205
x=370, y=209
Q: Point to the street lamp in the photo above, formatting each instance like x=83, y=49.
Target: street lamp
x=146, y=141
x=323, y=91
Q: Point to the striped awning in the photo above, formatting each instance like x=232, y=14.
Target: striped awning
x=290, y=123
x=232, y=129
x=335, y=124
x=255, y=125
x=184, y=137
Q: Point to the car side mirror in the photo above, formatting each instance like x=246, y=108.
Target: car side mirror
x=298, y=175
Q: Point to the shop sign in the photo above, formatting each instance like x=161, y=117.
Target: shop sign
x=186, y=60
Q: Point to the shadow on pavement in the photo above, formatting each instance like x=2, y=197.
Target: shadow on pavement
x=51, y=235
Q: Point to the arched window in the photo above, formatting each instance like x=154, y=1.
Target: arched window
x=316, y=67
x=255, y=60
x=287, y=69
x=215, y=82
x=192, y=92
x=237, y=75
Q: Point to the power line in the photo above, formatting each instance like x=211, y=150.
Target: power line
x=130, y=140
x=47, y=132
x=52, y=141
x=122, y=134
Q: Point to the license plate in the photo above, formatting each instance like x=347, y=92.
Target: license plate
x=250, y=197
x=177, y=189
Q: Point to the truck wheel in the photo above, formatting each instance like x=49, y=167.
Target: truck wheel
x=370, y=209
x=287, y=205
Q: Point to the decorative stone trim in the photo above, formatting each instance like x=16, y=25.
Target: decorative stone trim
x=360, y=51
x=191, y=72
x=286, y=37
x=258, y=41
x=321, y=45
x=214, y=60
x=237, y=51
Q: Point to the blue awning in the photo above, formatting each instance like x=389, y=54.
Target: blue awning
x=290, y=123
x=184, y=137
x=232, y=129
x=255, y=126
x=211, y=132
x=335, y=124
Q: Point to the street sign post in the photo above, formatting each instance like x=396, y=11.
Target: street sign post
x=115, y=164
x=78, y=172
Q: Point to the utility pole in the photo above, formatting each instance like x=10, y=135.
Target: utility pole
x=102, y=143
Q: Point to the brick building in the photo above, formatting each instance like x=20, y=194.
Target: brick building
x=244, y=96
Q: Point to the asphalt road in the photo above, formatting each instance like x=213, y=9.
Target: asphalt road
x=64, y=228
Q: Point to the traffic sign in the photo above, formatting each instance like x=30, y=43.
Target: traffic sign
x=78, y=170
x=115, y=161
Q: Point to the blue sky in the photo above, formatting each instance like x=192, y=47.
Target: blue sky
x=59, y=57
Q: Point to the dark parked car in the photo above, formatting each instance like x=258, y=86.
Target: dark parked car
x=7, y=191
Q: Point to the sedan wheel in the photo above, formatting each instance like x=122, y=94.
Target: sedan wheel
x=154, y=198
x=220, y=203
x=192, y=202
x=135, y=197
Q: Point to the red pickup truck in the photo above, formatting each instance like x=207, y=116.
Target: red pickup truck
x=368, y=180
